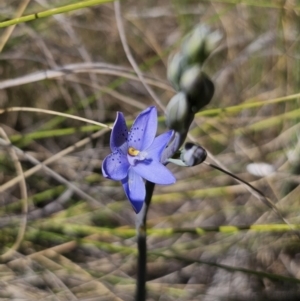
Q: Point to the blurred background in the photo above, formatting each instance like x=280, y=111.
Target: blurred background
x=67, y=233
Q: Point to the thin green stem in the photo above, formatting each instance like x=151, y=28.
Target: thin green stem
x=53, y=11
x=259, y=194
x=228, y=268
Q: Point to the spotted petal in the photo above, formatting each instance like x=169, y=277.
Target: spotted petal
x=154, y=171
x=134, y=188
x=143, y=130
x=159, y=144
x=115, y=166
x=119, y=134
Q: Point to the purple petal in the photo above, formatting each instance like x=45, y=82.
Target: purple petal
x=119, y=134
x=159, y=144
x=115, y=166
x=143, y=130
x=135, y=190
x=155, y=172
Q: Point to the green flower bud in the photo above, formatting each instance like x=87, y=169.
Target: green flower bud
x=176, y=65
x=198, y=87
x=193, y=154
x=201, y=42
x=178, y=113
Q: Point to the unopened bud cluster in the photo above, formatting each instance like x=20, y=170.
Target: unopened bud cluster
x=194, y=88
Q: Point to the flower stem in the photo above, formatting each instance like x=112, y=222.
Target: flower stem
x=141, y=265
x=142, y=247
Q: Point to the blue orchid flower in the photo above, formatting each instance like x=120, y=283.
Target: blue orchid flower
x=136, y=156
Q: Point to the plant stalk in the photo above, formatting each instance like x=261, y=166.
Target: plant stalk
x=142, y=247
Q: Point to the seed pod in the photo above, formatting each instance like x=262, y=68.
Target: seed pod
x=198, y=87
x=193, y=154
